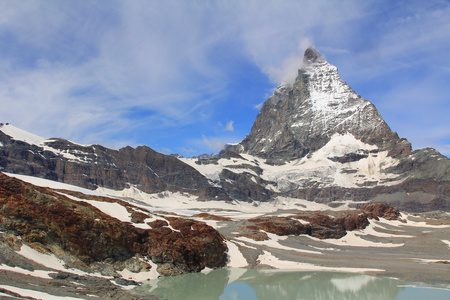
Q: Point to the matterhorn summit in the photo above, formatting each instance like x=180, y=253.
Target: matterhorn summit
x=301, y=119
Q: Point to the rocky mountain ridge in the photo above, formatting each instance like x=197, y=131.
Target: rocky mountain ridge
x=93, y=166
x=316, y=140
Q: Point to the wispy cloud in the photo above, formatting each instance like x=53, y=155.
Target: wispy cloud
x=103, y=73
x=187, y=151
x=258, y=106
x=229, y=126
x=213, y=144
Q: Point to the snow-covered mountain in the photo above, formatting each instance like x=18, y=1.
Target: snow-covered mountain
x=303, y=118
x=319, y=140
x=307, y=189
x=93, y=166
x=315, y=140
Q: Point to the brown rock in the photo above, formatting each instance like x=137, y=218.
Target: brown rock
x=376, y=210
x=282, y=225
x=49, y=220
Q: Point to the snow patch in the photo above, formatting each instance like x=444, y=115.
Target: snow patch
x=370, y=230
x=50, y=261
x=410, y=223
x=54, y=184
x=35, y=294
x=353, y=239
x=236, y=259
x=273, y=242
x=34, y=273
x=22, y=135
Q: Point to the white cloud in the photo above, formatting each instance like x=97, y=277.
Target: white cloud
x=166, y=151
x=150, y=56
x=229, y=126
x=258, y=106
x=288, y=70
x=214, y=144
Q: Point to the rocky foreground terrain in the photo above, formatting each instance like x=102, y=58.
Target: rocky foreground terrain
x=68, y=241
x=321, y=183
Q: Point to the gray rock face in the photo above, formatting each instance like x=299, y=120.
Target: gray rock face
x=301, y=119
x=96, y=166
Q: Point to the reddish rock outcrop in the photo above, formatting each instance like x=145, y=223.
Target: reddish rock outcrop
x=208, y=216
x=190, y=249
x=282, y=225
x=380, y=210
x=324, y=226
x=47, y=219
x=252, y=232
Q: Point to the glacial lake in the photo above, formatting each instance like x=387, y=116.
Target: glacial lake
x=236, y=284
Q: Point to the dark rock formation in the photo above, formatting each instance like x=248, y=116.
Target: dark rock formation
x=244, y=186
x=282, y=225
x=96, y=166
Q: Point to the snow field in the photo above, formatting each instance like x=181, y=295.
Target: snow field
x=318, y=167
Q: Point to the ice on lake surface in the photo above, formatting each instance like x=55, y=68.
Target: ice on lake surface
x=232, y=284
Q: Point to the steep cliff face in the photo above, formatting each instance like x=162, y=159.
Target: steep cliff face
x=93, y=166
x=301, y=119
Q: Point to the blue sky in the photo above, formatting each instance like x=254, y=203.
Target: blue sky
x=189, y=76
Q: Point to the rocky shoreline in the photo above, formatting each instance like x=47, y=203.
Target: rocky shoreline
x=44, y=250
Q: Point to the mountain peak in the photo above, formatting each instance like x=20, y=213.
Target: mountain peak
x=312, y=56
x=301, y=119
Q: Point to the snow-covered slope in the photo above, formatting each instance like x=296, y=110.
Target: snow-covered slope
x=47, y=144
x=301, y=119
x=343, y=162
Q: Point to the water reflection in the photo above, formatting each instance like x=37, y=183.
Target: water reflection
x=233, y=284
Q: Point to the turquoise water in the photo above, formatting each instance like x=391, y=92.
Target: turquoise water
x=236, y=284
